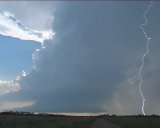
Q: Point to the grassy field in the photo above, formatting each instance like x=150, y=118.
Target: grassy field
x=29, y=120
x=135, y=121
x=19, y=121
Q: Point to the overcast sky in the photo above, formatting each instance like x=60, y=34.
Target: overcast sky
x=78, y=56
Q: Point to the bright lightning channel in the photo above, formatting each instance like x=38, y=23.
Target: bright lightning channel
x=143, y=56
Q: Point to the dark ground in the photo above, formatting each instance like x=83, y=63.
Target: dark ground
x=43, y=120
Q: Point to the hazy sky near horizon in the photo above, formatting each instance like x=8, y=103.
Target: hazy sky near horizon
x=78, y=56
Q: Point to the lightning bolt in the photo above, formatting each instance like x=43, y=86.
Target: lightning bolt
x=143, y=56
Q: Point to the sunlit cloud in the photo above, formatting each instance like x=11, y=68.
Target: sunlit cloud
x=9, y=87
x=10, y=26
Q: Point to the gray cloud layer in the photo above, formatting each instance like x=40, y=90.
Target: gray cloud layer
x=92, y=63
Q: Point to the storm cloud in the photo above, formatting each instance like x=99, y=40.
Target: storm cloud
x=92, y=63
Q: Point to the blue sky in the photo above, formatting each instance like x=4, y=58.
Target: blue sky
x=78, y=56
x=18, y=54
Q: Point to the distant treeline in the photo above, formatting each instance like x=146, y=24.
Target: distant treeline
x=30, y=114
x=61, y=115
x=140, y=116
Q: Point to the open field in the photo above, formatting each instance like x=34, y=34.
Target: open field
x=29, y=120
x=14, y=120
x=140, y=121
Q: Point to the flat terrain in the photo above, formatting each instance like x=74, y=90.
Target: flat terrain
x=139, y=121
x=29, y=120
x=101, y=123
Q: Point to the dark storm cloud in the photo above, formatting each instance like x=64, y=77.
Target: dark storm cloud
x=80, y=69
x=96, y=48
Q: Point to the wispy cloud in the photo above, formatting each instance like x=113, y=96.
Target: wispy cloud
x=10, y=26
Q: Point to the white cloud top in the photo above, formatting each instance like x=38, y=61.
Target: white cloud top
x=10, y=26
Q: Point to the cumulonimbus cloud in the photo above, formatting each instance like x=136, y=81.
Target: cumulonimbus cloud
x=10, y=26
